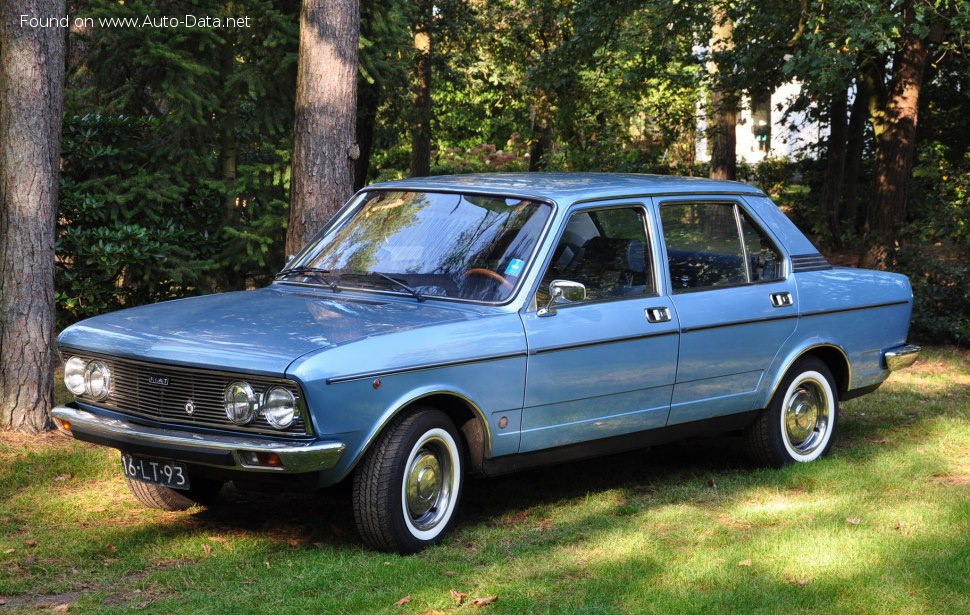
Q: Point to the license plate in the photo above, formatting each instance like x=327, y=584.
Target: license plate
x=156, y=471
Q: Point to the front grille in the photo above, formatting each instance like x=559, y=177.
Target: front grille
x=137, y=391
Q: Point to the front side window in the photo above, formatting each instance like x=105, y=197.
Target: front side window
x=429, y=244
x=606, y=250
x=716, y=244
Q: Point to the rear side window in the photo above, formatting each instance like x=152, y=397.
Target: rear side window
x=710, y=245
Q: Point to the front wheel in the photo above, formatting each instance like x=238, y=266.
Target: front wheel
x=407, y=487
x=799, y=424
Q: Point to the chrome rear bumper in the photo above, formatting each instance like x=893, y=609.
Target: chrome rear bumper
x=901, y=357
x=228, y=451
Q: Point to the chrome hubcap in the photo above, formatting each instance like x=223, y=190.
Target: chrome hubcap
x=428, y=484
x=807, y=417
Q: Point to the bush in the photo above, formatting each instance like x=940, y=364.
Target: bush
x=136, y=228
x=941, y=311
x=123, y=237
x=936, y=253
x=484, y=158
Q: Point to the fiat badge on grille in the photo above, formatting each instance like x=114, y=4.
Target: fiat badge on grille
x=159, y=380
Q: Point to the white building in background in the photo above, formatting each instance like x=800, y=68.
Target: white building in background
x=763, y=131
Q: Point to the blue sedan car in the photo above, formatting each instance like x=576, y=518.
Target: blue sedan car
x=440, y=328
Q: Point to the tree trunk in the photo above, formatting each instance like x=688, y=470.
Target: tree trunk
x=855, y=147
x=724, y=103
x=31, y=108
x=835, y=165
x=368, y=99
x=324, y=147
x=540, y=138
x=895, y=131
x=421, y=97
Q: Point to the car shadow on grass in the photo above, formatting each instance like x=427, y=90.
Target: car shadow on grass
x=680, y=472
x=326, y=517
x=869, y=426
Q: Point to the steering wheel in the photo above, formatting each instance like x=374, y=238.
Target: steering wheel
x=488, y=273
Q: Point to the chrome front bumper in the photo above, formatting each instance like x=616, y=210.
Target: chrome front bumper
x=901, y=357
x=227, y=451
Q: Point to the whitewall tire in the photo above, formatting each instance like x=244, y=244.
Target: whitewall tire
x=800, y=422
x=407, y=487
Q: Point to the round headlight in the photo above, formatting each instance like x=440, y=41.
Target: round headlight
x=74, y=375
x=97, y=380
x=279, y=407
x=240, y=403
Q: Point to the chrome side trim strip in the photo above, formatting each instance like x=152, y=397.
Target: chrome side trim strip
x=735, y=323
x=422, y=367
x=853, y=309
x=901, y=357
x=297, y=457
x=612, y=340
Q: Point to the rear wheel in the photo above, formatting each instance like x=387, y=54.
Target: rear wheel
x=408, y=485
x=204, y=491
x=799, y=424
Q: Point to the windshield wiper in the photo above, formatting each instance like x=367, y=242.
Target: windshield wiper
x=414, y=292
x=310, y=271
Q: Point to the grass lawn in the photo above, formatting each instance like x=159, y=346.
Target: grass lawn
x=881, y=526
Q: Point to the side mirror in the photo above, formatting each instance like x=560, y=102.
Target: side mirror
x=289, y=258
x=562, y=291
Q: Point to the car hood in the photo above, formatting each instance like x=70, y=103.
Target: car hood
x=260, y=331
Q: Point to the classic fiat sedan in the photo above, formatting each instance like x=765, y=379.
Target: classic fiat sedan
x=440, y=328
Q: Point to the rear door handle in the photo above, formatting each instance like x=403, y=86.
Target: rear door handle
x=657, y=314
x=782, y=299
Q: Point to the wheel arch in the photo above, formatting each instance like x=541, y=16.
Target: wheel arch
x=830, y=353
x=465, y=413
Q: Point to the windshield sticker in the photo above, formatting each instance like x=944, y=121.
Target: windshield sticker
x=515, y=267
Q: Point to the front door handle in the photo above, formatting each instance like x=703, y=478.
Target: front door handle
x=782, y=299
x=657, y=314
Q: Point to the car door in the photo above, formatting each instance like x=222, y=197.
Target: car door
x=735, y=300
x=605, y=365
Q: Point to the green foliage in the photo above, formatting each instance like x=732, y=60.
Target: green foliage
x=483, y=158
x=941, y=309
x=842, y=36
x=177, y=141
x=616, y=82
x=124, y=236
x=176, y=153
x=385, y=41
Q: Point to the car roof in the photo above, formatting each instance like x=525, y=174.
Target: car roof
x=568, y=187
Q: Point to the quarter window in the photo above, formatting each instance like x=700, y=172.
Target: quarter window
x=716, y=244
x=607, y=251
x=763, y=258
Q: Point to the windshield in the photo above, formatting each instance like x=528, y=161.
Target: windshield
x=427, y=244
